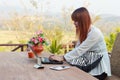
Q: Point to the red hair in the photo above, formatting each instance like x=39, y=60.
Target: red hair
x=81, y=15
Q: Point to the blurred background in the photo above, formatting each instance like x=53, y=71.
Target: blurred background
x=20, y=19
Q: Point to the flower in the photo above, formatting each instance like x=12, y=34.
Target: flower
x=39, y=39
x=39, y=32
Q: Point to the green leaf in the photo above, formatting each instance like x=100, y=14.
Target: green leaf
x=55, y=46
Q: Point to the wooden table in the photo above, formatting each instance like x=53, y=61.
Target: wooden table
x=17, y=66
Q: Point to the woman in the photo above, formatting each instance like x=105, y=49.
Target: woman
x=90, y=38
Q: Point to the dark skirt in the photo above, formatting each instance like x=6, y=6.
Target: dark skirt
x=103, y=76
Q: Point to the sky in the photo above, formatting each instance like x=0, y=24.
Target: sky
x=56, y=6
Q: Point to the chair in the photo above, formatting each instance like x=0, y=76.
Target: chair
x=115, y=60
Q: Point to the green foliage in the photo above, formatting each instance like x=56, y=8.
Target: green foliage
x=55, y=47
x=111, y=39
x=55, y=37
x=117, y=29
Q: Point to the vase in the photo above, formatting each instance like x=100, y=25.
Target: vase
x=37, y=49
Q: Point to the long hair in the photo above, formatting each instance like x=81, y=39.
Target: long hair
x=81, y=15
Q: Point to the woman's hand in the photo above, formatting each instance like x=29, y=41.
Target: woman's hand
x=57, y=58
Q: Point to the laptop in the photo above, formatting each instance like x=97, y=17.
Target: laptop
x=45, y=60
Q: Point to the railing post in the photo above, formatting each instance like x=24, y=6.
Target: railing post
x=22, y=48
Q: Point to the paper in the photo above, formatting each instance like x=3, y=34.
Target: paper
x=60, y=67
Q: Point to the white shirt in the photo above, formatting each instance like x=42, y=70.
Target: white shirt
x=94, y=42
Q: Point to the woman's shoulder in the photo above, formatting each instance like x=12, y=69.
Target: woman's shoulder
x=95, y=32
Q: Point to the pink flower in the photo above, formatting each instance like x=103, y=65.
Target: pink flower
x=40, y=39
x=39, y=32
x=34, y=40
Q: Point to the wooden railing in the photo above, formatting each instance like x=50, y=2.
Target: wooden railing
x=68, y=47
x=22, y=47
x=19, y=46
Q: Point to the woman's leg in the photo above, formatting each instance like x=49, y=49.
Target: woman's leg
x=103, y=76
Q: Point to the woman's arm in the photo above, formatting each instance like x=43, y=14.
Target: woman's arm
x=57, y=58
x=90, y=41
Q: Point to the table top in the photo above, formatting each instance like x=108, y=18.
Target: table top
x=17, y=66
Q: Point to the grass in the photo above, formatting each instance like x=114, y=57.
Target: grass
x=13, y=36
